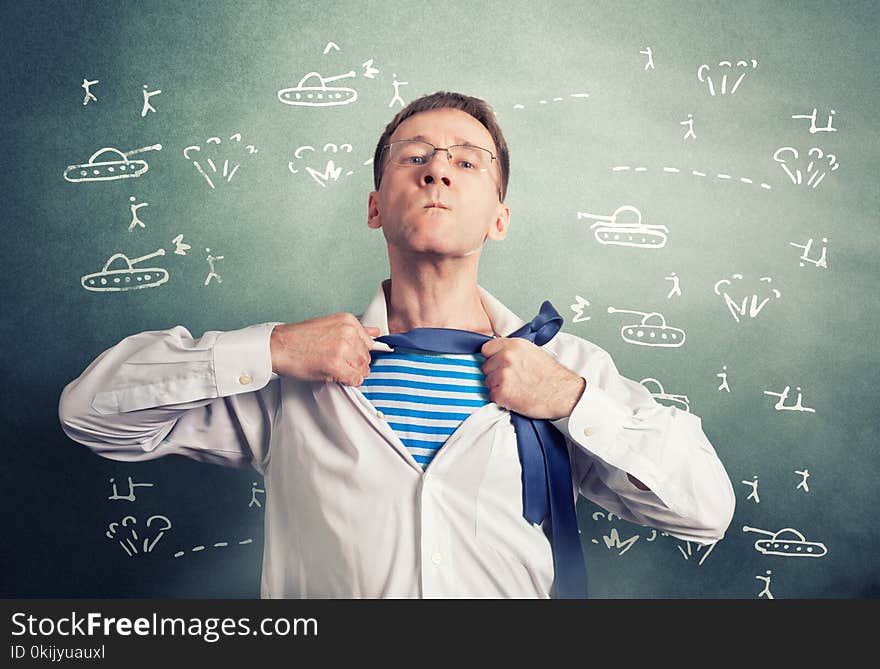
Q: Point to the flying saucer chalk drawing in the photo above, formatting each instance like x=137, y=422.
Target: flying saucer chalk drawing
x=611, y=231
x=787, y=542
x=114, y=165
x=318, y=94
x=679, y=401
x=650, y=334
x=127, y=277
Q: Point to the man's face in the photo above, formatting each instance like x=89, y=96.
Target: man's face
x=405, y=204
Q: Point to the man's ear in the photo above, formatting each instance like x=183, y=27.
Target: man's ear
x=498, y=230
x=373, y=218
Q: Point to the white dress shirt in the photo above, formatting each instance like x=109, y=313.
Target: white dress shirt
x=349, y=513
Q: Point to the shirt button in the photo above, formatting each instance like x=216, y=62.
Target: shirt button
x=379, y=414
x=436, y=558
x=588, y=431
x=245, y=379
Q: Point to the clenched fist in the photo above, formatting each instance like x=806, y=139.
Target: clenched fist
x=327, y=348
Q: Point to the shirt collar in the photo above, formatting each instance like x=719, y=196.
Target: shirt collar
x=503, y=320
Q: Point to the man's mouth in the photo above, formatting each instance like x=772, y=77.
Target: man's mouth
x=436, y=205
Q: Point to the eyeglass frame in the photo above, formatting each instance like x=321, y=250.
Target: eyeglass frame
x=448, y=151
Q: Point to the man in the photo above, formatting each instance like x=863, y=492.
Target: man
x=420, y=484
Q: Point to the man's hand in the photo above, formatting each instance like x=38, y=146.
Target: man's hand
x=327, y=348
x=523, y=378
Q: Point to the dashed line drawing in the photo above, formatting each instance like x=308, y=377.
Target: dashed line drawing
x=127, y=278
x=821, y=262
x=330, y=45
x=690, y=127
x=723, y=376
x=86, y=86
x=135, y=219
x=578, y=309
x=331, y=172
x=219, y=544
x=696, y=173
x=676, y=286
x=805, y=474
x=646, y=334
x=212, y=274
x=754, y=485
x=708, y=548
x=109, y=170
x=650, y=54
x=147, y=106
x=814, y=169
x=787, y=542
x=679, y=401
x=320, y=95
x=397, y=84
x=254, y=491
x=228, y=172
x=128, y=542
x=780, y=404
x=610, y=231
x=131, y=486
x=812, y=117
x=577, y=96
x=741, y=64
x=737, y=310
x=766, y=591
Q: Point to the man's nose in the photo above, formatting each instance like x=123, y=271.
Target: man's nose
x=437, y=169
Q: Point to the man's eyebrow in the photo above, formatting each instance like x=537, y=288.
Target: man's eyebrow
x=457, y=140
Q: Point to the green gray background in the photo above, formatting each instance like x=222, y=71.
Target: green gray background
x=294, y=249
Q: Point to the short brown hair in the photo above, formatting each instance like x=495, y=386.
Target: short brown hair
x=476, y=107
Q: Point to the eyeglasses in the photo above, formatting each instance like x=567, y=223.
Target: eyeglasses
x=464, y=158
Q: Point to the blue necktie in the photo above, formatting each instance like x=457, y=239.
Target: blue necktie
x=543, y=454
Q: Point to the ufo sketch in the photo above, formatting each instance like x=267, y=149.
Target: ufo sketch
x=609, y=231
x=673, y=400
x=648, y=334
x=320, y=94
x=787, y=542
x=127, y=277
x=115, y=165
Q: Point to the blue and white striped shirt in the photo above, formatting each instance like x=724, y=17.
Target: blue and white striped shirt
x=425, y=396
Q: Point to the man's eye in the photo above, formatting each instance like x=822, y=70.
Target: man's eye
x=466, y=164
x=415, y=160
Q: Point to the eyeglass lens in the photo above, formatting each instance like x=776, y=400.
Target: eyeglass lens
x=414, y=152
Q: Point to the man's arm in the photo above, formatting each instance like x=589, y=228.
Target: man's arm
x=212, y=399
x=569, y=398
x=163, y=392
x=647, y=463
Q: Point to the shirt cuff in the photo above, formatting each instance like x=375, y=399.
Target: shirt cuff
x=595, y=421
x=242, y=359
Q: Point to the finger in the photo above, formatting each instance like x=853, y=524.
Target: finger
x=353, y=377
x=492, y=346
x=367, y=333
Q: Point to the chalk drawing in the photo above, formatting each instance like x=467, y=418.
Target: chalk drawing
x=126, y=278
x=648, y=334
x=787, y=542
x=110, y=170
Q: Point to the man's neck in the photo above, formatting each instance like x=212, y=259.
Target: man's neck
x=428, y=296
